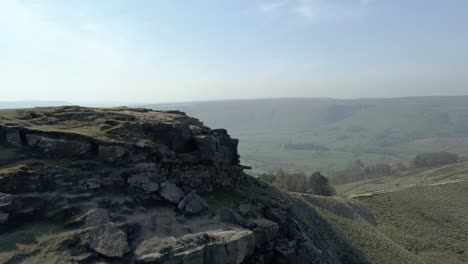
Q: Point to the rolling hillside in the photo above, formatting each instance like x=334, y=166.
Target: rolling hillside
x=323, y=134
x=453, y=173
x=418, y=216
x=429, y=221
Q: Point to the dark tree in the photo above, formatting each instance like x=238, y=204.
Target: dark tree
x=319, y=185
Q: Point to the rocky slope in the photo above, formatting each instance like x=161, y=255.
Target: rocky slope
x=87, y=185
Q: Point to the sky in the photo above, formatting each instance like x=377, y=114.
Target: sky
x=179, y=50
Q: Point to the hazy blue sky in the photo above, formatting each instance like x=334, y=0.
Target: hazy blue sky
x=170, y=50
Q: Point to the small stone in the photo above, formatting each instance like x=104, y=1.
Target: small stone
x=94, y=183
x=171, y=192
x=193, y=203
x=107, y=240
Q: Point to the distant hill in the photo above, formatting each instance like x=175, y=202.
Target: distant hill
x=338, y=131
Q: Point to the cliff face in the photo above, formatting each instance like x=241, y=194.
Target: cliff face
x=121, y=185
x=149, y=145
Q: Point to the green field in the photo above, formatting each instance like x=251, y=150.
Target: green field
x=429, y=221
x=269, y=157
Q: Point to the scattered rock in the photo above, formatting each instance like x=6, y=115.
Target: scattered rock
x=97, y=217
x=107, y=240
x=193, y=203
x=171, y=192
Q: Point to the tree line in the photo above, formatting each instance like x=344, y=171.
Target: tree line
x=315, y=183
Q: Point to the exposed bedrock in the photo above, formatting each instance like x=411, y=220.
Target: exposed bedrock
x=148, y=147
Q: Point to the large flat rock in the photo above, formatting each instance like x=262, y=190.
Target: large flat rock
x=211, y=247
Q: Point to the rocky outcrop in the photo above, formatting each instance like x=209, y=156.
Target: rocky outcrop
x=222, y=246
x=143, y=186
x=183, y=150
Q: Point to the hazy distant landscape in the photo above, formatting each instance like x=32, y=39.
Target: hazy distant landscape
x=323, y=134
x=326, y=134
